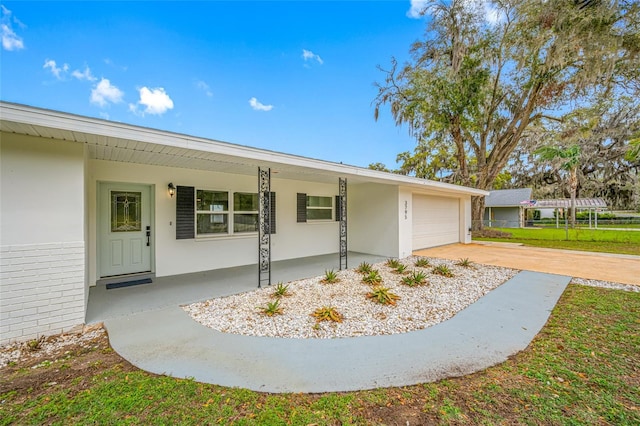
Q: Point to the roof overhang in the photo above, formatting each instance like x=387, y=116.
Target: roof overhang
x=113, y=141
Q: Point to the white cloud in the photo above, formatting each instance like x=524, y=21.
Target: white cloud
x=204, y=87
x=105, y=92
x=308, y=55
x=417, y=6
x=156, y=101
x=84, y=75
x=55, y=70
x=256, y=105
x=10, y=40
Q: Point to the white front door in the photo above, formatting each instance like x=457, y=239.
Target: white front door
x=124, y=229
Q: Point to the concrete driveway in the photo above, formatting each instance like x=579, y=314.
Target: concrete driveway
x=623, y=269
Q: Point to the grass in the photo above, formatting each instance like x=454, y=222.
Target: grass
x=596, y=240
x=582, y=368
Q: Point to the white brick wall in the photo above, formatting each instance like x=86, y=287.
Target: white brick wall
x=42, y=289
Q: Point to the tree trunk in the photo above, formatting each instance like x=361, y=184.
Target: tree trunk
x=477, y=213
x=573, y=184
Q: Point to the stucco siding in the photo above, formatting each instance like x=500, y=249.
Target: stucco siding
x=173, y=256
x=373, y=219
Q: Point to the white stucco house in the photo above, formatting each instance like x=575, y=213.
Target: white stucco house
x=84, y=200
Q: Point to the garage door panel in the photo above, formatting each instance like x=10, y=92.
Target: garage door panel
x=436, y=221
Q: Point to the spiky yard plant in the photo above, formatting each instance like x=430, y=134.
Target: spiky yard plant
x=392, y=263
x=401, y=269
x=466, y=263
x=372, y=278
x=442, y=270
x=272, y=308
x=415, y=278
x=330, y=277
x=327, y=313
x=280, y=290
x=383, y=296
x=422, y=262
x=364, y=268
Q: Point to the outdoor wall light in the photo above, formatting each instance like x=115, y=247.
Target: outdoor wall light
x=172, y=189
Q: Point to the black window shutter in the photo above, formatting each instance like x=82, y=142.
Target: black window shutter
x=272, y=213
x=337, y=207
x=302, y=207
x=185, y=212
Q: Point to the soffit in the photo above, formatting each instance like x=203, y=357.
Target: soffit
x=112, y=141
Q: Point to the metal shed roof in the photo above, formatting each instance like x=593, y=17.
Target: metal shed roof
x=565, y=203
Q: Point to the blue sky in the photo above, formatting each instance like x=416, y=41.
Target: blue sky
x=290, y=76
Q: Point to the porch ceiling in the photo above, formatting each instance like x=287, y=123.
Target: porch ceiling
x=113, y=141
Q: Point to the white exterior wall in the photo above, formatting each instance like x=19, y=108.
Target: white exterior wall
x=465, y=219
x=42, y=276
x=372, y=219
x=173, y=256
x=405, y=215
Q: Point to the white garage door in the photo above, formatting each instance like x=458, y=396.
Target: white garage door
x=436, y=221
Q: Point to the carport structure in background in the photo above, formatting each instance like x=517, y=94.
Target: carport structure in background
x=564, y=204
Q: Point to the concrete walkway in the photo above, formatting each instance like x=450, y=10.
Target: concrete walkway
x=616, y=268
x=168, y=341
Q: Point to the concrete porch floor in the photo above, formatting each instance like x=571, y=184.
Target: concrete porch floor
x=188, y=288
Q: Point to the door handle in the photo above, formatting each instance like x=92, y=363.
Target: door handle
x=148, y=236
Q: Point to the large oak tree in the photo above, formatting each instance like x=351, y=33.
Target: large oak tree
x=474, y=86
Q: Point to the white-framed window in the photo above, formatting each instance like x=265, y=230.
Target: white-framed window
x=205, y=213
x=319, y=207
x=245, y=212
x=212, y=212
x=224, y=213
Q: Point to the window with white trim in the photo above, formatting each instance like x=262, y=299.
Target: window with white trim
x=212, y=212
x=245, y=212
x=319, y=207
x=207, y=213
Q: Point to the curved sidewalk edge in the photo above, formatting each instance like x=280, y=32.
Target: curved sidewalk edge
x=502, y=323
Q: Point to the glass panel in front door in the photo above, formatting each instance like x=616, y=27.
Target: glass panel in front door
x=126, y=211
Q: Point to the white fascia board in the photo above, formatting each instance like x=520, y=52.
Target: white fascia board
x=93, y=126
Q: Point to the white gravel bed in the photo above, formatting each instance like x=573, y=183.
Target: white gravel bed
x=418, y=307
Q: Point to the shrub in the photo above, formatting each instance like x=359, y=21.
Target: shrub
x=364, y=268
x=442, y=270
x=466, y=263
x=272, y=308
x=383, y=296
x=401, y=269
x=372, y=278
x=393, y=263
x=280, y=290
x=327, y=313
x=330, y=277
x=422, y=262
x=414, y=279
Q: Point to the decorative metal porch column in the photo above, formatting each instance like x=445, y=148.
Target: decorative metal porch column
x=342, y=212
x=264, y=226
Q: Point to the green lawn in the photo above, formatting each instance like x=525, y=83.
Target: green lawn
x=598, y=240
x=582, y=368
